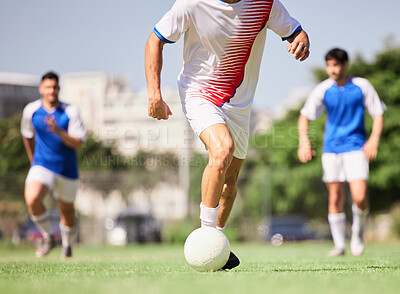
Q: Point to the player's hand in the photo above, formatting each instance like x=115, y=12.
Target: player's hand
x=370, y=148
x=159, y=109
x=299, y=46
x=305, y=152
x=51, y=124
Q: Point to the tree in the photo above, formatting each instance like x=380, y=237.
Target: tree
x=14, y=162
x=12, y=151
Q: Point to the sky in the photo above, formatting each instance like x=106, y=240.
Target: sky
x=109, y=36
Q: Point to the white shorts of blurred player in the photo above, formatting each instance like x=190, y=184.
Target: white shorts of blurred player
x=202, y=114
x=345, y=167
x=62, y=188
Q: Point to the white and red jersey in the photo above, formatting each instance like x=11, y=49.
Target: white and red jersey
x=223, y=45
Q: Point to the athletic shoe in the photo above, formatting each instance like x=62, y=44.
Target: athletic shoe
x=66, y=252
x=232, y=262
x=45, y=247
x=336, y=252
x=356, y=245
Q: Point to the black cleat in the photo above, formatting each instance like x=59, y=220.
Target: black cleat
x=66, y=252
x=232, y=262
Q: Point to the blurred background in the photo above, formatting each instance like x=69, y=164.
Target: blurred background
x=140, y=178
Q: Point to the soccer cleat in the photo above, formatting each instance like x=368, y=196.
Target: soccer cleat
x=45, y=247
x=356, y=245
x=66, y=252
x=336, y=252
x=232, y=262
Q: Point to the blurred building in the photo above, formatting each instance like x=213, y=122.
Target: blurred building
x=16, y=90
x=117, y=115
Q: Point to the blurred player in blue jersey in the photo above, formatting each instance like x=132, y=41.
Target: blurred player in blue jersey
x=346, y=150
x=52, y=131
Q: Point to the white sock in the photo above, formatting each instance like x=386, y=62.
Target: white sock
x=67, y=235
x=359, y=217
x=337, y=223
x=208, y=216
x=42, y=222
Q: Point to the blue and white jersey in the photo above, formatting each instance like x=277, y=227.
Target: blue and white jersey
x=345, y=107
x=50, y=152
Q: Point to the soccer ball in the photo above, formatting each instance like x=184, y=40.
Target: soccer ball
x=206, y=249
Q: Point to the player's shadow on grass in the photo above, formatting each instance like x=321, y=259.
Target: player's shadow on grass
x=327, y=269
x=374, y=268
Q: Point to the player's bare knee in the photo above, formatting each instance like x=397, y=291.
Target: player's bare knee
x=361, y=202
x=222, y=157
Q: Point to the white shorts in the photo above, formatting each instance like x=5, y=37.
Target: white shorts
x=63, y=188
x=345, y=167
x=202, y=114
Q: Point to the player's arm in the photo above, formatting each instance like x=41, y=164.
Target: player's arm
x=29, y=144
x=371, y=146
x=304, y=152
x=153, y=64
x=299, y=45
x=72, y=142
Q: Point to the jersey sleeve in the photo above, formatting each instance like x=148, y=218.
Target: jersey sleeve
x=174, y=23
x=281, y=22
x=372, y=102
x=27, y=129
x=314, y=105
x=76, y=128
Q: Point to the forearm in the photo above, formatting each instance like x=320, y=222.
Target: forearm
x=153, y=66
x=29, y=145
x=371, y=146
x=71, y=142
x=377, y=128
x=304, y=152
x=302, y=127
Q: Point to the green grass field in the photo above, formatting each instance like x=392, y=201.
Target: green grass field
x=290, y=268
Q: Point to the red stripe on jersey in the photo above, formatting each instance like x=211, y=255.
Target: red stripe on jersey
x=229, y=73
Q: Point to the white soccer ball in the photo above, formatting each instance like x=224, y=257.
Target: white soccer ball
x=207, y=249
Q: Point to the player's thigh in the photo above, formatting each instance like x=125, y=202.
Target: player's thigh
x=38, y=183
x=35, y=191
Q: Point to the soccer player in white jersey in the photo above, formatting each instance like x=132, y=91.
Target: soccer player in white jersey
x=223, y=45
x=52, y=131
x=346, y=150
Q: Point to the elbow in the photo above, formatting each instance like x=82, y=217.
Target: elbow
x=153, y=44
x=78, y=145
x=302, y=120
